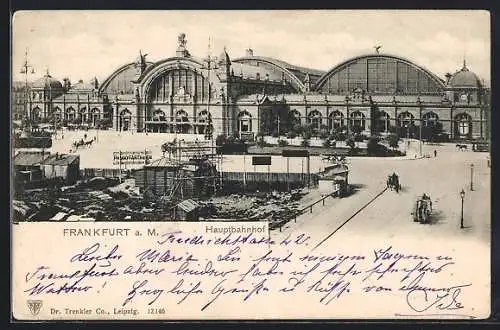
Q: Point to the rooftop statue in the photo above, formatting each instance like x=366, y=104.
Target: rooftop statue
x=182, y=40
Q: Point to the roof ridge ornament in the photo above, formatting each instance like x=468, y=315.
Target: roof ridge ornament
x=464, y=68
x=181, y=47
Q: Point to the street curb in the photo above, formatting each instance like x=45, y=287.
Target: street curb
x=389, y=158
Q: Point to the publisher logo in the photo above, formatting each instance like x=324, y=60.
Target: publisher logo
x=34, y=306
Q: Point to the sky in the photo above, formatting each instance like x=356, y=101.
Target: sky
x=86, y=44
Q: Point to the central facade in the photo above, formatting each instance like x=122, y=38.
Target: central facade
x=372, y=94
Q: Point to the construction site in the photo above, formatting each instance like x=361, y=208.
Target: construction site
x=189, y=182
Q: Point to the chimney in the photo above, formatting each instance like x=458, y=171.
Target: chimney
x=66, y=84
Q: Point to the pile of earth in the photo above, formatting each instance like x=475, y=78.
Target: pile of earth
x=272, y=206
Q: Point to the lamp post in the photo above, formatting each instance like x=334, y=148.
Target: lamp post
x=471, y=177
x=25, y=69
x=462, y=195
x=420, y=136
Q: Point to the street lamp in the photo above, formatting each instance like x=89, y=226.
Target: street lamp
x=462, y=195
x=471, y=177
x=420, y=136
x=26, y=69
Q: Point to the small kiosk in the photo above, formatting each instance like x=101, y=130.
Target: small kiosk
x=334, y=180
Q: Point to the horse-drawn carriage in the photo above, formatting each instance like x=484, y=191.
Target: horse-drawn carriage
x=334, y=158
x=393, y=182
x=422, y=209
x=83, y=143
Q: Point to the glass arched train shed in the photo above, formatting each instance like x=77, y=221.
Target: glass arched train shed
x=374, y=93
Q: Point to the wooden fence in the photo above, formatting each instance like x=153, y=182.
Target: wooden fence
x=307, y=209
x=86, y=173
x=264, y=181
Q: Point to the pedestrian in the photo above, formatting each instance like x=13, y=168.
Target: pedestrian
x=435, y=153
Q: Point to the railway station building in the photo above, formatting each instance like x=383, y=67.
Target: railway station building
x=371, y=93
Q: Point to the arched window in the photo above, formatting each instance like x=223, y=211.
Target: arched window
x=295, y=118
x=125, y=120
x=95, y=114
x=57, y=113
x=83, y=115
x=430, y=119
x=203, y=116
x=383, y=122
x=158, y=115
x=405, y=119
x=357, y=119
x=335, y=120
x=406, y=124
x=244, y=122
x=205, y=121
x=314, y=118
x=36, y=114
x=181, y=117
x=70, y=114
x=463, y=124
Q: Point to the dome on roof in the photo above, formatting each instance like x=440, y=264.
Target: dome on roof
x=82, y=86
x=464, y=78
x=47, y=81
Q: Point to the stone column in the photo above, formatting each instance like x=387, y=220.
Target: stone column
x=115, y=117
x=193, y=86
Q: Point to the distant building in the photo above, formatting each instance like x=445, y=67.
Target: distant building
x=19, y=100
x=372, y=93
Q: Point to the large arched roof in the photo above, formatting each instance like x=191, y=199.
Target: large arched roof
x=160, y=67
x=117, y=73
x=293, y=73
x=159, y=64
x=438, y=81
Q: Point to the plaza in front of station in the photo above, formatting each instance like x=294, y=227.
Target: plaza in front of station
x=389, y=215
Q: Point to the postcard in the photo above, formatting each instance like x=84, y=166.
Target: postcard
x=249, y=165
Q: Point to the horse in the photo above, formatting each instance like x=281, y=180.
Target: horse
x=423, y=209
x=461, y=147
x=328, y=158
x=393, y=182
x=89, y=143
x=341, y=159
x=78, y=144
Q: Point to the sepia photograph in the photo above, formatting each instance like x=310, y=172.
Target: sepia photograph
x=340, y=125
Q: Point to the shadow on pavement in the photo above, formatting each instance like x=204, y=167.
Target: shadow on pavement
x=437, y=217
x=354, y=189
